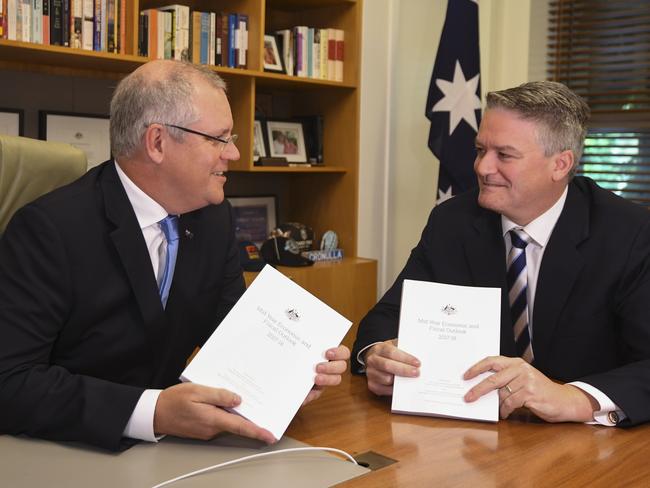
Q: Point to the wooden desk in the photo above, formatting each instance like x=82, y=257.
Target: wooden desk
x=445, y=452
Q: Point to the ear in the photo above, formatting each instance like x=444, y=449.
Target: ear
x=562, y=164
x=154, y=142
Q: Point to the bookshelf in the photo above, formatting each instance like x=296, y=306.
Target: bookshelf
x=323, y=197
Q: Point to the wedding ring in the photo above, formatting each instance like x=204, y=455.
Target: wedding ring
x=508, y=389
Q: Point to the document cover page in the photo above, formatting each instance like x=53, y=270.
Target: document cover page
x=267, y=348
x=448, y=328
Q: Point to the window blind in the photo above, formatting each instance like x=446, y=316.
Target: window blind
x=601, y=50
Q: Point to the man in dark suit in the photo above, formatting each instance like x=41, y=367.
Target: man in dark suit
x=575, y=319
x=92, y=335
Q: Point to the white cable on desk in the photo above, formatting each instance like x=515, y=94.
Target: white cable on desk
x=254, y=456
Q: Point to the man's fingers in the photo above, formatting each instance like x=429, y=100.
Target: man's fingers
x=340, y=353
x=379, y=377
x=392, y=366
x=492, y=382
x=490, y=363
x=332, y=367
x=240, y=426
x=215, y=396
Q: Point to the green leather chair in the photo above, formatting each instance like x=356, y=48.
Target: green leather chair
x=30, y=168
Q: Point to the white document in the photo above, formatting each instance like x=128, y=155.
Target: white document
x=448, y=328
x=267, y=348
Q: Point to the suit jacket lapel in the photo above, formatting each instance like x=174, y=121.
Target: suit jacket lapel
x=485, y=253
x=129, y=243
x=559, y=269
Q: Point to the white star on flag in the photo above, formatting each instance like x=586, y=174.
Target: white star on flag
x=460, y=99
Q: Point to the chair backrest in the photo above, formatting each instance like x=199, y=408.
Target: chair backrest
x=30, y=168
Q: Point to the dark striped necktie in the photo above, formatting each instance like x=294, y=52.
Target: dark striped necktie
x=517, y=279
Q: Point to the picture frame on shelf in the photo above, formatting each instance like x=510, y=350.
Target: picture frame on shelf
x=272, y=58
x=259, y=146
x=12, y=122
x=255, y=217
x=88, y=132
x=286, y=140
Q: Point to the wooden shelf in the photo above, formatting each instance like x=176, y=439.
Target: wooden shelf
x=65, y=60
x=294, y=169
x=323, y=197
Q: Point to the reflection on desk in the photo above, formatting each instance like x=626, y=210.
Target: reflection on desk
x=445, y=452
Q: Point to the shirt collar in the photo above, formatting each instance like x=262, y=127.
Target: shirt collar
x=146, y=209
x=539, y=229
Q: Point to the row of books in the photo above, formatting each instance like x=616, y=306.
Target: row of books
x=219, y=39
x=95, y=25
x=312, y=52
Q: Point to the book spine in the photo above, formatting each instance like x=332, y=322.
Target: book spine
x=243, y=41
x=340, y=42
x=37, y=21
x=104, y=24
x=56, y=20
x=26, y=18
x=310, y=52
x=232, y=39
x=323, y=53
x=169, y=35
x=316, y=54
x=212, y=36
x=97, y=26
x=122, y=26
x=204, y=37
x=76, y=24
x=225, y=42
x=65, y=23
x=46, y=21
x=218, y=49
x=3, y=17
x=87, y=21
x=195, y=34
x=331, y=54
x=143, y=31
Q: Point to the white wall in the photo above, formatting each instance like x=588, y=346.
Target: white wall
x=398, y=173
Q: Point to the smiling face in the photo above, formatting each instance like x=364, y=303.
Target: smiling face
x=194, y=170
x=515, y=178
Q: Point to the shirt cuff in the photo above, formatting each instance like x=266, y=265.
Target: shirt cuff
x=609, y=414
x=360, y=356
x=140, y=425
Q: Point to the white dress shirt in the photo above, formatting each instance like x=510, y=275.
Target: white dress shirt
x=540, y=231
x=149, y=213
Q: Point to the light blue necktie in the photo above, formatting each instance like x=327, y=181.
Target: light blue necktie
x=169, y=226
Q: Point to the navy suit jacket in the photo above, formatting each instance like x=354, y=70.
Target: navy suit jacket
x=592, y=304
x=82, y=328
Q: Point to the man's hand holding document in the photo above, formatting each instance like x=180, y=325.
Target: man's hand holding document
x=448, y=328
x=267, y=348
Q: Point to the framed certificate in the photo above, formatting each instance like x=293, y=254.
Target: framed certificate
x=11, y=122
x=255, y=217
x=88, y=132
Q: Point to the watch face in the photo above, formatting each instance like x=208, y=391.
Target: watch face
x=329, y=241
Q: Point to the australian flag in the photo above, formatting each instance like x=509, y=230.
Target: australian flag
x=454, y=101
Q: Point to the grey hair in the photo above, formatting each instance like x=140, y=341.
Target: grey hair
x=561, y=115
x=141, y=99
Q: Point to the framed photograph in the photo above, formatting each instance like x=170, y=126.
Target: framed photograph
x=259, y=149
x=88, y=132
x=287, y=140
x=11, y=121
x=255, y=217
x=272, y=59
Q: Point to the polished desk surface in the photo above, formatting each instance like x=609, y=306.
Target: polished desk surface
x=444, y=452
